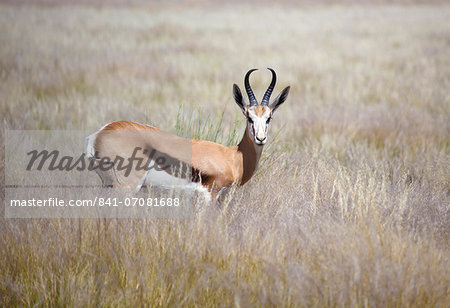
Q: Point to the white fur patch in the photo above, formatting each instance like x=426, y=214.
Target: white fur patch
x=260, y=126
x=160, y=178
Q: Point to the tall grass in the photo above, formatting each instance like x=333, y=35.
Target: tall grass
x=350, y=206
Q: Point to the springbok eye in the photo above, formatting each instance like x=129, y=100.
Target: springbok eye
x=250, y=120
x=268, y=120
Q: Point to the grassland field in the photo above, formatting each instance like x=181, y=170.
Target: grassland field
x=350, y=206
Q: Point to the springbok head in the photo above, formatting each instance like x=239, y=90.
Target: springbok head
x=259, y=114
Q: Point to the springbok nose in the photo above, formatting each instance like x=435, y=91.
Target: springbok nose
x=260, y=140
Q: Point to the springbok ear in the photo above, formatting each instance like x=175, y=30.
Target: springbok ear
x=280, y=99
x=239, y=99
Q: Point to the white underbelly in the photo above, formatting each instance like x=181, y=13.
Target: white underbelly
x=162, y=179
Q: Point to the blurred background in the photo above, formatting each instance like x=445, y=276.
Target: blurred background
x=350, y=205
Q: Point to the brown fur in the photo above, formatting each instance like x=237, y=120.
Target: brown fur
x=260, y=110
x=218, y=165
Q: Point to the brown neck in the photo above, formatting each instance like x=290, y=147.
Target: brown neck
x=251, y=153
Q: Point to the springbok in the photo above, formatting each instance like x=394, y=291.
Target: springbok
x=207, y=166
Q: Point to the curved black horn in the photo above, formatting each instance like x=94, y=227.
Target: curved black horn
x=251, y=96
x=266, y=98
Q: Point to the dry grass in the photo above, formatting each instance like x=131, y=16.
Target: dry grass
x=350, y=206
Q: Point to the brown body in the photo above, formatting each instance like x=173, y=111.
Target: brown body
x=216, y=165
